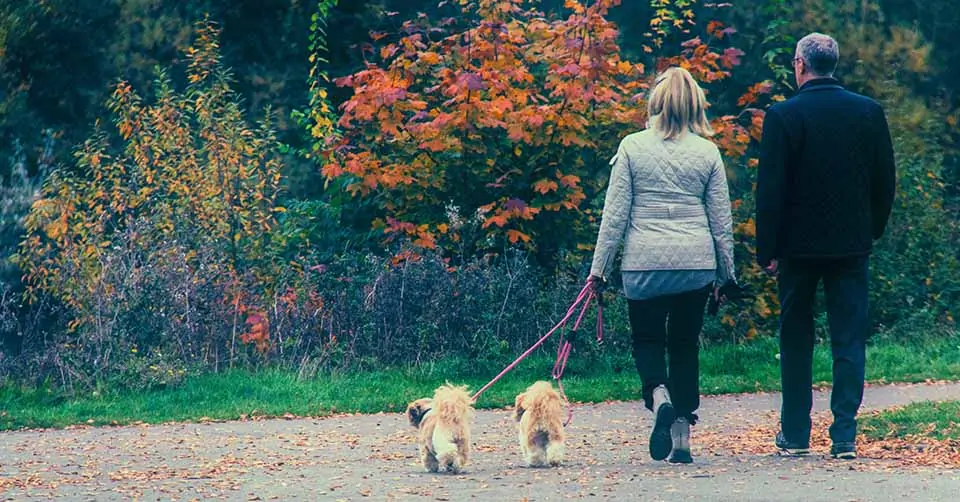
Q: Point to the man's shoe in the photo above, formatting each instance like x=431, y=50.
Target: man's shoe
x=791, y=448
x=844, y=451
x=660, y=441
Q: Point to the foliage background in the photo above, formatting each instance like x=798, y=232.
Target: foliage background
x=211, y=184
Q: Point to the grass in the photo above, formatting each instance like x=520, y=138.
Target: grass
x=746, y=367
x=937, y=420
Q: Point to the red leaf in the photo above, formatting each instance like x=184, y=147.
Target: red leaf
x=731, y=57
x=515, y=205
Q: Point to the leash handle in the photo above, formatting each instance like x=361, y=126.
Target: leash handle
x=563, y=354
x=599, y=318
x=598, y=286
x=563, y=395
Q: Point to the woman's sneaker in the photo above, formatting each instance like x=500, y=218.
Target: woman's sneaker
x=680, y=433
x=791, y=448
x=660, y=441
x=844, y=451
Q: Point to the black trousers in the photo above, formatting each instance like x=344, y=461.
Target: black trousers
x=670, y=325
x=845, y=284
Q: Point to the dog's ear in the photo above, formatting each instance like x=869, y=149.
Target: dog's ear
x=414, y=414
x=518, y=408
x=416, y=410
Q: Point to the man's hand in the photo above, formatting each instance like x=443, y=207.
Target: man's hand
x=773, y=268
x=717, y=297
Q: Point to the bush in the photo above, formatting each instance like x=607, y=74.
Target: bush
x=916, y=267
x=372, y=312
x=164, y=234
x=16, y=197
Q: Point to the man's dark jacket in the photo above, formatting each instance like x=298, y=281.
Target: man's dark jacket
x=827, y=178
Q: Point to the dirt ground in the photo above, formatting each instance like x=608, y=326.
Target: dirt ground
x=373, y=457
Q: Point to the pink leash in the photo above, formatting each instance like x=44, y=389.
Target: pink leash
x=587, y=294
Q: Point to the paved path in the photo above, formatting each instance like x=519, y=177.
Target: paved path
x=372, y=457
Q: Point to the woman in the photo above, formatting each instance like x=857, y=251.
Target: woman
x=668, y=199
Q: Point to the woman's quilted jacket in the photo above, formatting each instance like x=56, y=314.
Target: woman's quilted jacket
x=668, y=201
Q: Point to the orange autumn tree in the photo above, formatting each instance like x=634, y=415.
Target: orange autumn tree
x=505, y=115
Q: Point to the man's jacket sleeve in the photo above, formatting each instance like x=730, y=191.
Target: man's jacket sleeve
x=883, y=180
x=771, y=188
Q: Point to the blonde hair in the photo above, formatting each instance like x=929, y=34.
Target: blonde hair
x=677, y=105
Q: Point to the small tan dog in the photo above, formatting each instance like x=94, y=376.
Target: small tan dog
x=444, y=425
x=540, y=412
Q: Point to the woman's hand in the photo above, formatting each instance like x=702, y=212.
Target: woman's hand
x=596, y=283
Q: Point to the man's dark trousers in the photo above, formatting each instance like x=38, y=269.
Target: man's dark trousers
x=845, y=283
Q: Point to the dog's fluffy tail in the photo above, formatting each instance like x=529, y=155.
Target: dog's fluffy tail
x=451, y=438
x=452, y=404
x=546, y=403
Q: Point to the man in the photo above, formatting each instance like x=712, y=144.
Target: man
x=825, y=188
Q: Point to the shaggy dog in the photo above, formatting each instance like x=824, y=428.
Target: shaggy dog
x=540, y=413
x=443, y=422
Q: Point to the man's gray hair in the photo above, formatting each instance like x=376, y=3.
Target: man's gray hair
x=819, y=53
